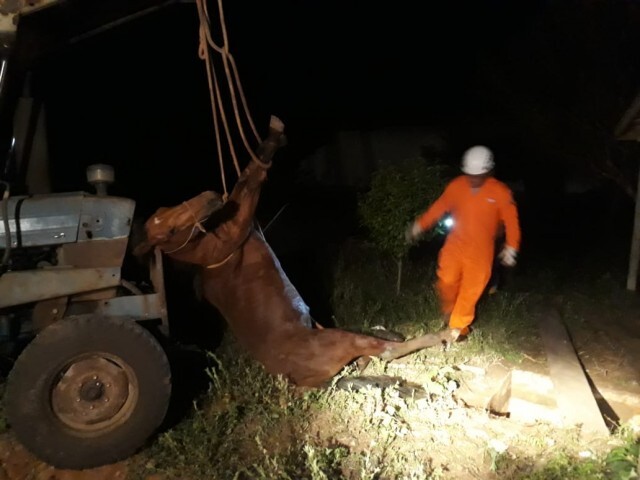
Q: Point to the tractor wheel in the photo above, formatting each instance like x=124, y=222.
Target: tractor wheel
x=88, y=391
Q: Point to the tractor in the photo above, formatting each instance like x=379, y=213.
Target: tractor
x=91, y=381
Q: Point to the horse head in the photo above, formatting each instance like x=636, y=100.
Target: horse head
x=169, y=228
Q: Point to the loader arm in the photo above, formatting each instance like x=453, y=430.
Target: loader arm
x=34, y=29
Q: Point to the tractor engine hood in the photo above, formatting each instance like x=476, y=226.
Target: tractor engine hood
x=55, y=219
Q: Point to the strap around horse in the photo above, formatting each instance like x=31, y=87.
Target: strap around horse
x=228, y=257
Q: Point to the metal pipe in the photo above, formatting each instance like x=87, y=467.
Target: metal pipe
x=10, y=81
x=5, y=221
x=3, y=74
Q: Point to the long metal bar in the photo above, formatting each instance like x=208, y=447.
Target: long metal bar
x=634, y=256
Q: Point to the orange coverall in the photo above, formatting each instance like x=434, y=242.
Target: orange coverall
x=465, y=260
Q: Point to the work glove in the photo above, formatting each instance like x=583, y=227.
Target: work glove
x=412, y=232
x=508, y=256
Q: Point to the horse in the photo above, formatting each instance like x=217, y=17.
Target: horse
x=243, y=279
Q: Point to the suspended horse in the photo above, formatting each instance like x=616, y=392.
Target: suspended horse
x=243, y=279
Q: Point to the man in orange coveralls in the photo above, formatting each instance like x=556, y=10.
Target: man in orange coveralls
x=478, y=205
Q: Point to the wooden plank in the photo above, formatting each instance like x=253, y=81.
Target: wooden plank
x=574, y=397
x=634, y=255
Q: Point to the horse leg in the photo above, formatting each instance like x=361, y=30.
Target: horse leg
x=399, y=349
x=362, y=362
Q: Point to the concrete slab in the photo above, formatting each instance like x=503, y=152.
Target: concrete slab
x=487, y=389
x=530, y=413
x=530, y=397
x=574, y=397
x=524, y=396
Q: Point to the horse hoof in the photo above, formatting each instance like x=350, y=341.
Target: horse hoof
x=380, y=332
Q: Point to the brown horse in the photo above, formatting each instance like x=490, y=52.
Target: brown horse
x=243, y=279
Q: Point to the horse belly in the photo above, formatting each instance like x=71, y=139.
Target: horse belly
x=319, y=356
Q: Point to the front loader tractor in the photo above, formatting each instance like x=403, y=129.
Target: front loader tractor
x=91, y=381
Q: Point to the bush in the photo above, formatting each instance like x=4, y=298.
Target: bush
x=398, y=194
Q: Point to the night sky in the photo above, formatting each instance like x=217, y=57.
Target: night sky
x=542, y=83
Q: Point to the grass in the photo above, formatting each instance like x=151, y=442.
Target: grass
x=363, y=297
x=250, y=425
x=573, y=462
x=264, y=429
x=233, y=422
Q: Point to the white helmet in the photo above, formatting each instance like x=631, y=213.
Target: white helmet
x=477, y=160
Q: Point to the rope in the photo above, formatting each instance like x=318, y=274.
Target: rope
x=219, y=264
x=222, y=262
x=217, y=108
x=193, y=229
x=216, y=99
x=226, y=56
x=275, y=217
x=203, y=53
x=232, y=77
x=196, y=226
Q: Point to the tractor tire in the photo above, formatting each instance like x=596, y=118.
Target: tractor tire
x=88, y=391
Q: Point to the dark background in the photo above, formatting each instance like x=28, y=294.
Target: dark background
x=537, y=81
x=542, y=83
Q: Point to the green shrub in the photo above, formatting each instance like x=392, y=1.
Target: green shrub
x=398, y=194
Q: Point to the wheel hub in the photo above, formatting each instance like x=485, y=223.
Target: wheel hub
x=91, y=391
x=94, y=393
